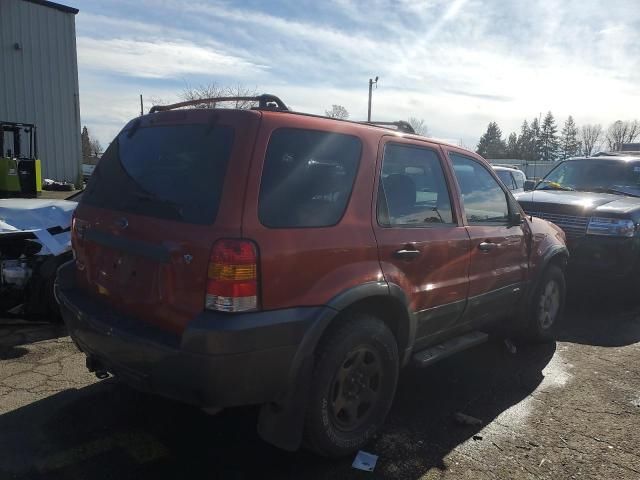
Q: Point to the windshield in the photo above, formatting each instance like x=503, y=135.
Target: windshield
x=595, y=176
x=506, y=178
x=172, y=172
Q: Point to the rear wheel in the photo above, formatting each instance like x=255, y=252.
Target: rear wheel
x=353, y=385
x=547, y=305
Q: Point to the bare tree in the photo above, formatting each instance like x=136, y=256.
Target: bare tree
x=621, y=132
x=155, y=100
x=590, y=135
x=419, y=126
x=213, y=90
x=239, y=90
x=95, y=147
x=337, y=111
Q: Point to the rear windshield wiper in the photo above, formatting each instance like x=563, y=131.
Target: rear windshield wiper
x=554, y=186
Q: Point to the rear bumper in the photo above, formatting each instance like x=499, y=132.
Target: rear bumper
x=220, y=360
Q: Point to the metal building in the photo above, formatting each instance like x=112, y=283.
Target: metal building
x=39, y=80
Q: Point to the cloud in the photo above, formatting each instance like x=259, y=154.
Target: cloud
x=160, y=59
x=456, y=64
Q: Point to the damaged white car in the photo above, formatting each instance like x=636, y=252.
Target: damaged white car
x=35, y=239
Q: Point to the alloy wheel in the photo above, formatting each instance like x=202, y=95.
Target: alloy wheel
x=355, y=388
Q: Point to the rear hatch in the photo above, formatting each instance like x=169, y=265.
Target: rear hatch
x=169, y=185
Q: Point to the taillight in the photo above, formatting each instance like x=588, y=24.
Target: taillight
x=232, y=283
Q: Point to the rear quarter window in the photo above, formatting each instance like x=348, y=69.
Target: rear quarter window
x=307, y=178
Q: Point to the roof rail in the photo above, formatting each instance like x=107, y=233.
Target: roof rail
x=400, y=125
x=265, y=101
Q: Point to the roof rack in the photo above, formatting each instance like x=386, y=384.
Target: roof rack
x=400, y=125
x=265, y=101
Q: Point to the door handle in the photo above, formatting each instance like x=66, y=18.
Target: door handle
x=487, y=246
x=407, y=253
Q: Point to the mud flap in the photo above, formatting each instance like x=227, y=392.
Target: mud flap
x=282, y=423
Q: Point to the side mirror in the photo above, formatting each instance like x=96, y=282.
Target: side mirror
x=515, y=219
x=529, y=185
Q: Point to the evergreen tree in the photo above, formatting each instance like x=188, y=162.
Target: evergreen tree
x=513, y=150
x=86, y=142
x=536, y=141
x=549, y=139
x=524, y=142
x=491, y=144
x=569, y=143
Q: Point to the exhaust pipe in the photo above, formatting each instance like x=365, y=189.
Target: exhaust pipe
x=95, y=366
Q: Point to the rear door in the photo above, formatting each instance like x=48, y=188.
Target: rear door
x=167, y=187
x=423, y=246
x=308, y=209
x=498, y=249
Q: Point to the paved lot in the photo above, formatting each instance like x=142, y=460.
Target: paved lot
x=559, y=411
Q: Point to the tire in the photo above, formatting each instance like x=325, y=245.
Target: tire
x=352, y=388
x=52, y=308
x=546, y=306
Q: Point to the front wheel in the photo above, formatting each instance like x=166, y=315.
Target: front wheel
x=547, y=305
x=353, y=385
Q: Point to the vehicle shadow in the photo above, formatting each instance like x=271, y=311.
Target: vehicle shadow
x=109, y=431
x=602, y=315
x=14, y=334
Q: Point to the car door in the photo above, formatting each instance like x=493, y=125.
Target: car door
x=498, y=251
x=423, y=246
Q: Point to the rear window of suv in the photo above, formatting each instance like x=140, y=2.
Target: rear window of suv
x=307, y=178
x=174, y=172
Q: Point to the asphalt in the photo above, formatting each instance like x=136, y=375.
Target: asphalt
x=568, y=409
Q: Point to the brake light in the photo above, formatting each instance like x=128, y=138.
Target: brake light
x=232, y=279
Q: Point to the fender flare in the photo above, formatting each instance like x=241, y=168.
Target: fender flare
x=552, y=252
x=281, y=423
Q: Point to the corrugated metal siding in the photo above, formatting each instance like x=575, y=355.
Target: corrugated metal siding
x=39, y=82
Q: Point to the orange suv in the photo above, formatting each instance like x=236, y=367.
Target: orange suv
x=228, y=257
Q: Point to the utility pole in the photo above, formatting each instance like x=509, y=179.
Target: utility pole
x=141, y=106
x=371, y=82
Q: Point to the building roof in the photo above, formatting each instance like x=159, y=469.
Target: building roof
x=56, y=6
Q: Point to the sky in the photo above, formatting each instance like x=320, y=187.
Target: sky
x=457, y=64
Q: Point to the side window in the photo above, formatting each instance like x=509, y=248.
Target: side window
x=483, y=198
x=413, y=190
x=307, y=178
x=519, y=178
x=507, y=179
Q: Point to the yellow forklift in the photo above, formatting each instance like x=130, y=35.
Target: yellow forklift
x=20, y=168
